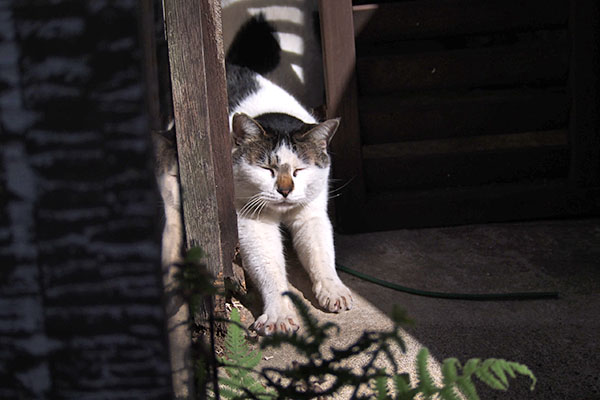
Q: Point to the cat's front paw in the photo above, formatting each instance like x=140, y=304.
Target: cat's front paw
x=268, y=324
x=333, y=295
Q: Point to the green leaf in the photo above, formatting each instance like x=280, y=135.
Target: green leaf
x=493, y=372
x=486, y=376
x=238, y=363
x=471, y=366
x=524, y=370
x=498, y=368
x=448, y=393
x=402, y=387
x=426, y=384
x=228, y=393
x=449, y=370
x=381, y=390
x=467, y=387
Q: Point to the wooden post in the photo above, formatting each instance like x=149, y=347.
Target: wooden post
x=339, y=59
x=196, y=59
x=203, y=143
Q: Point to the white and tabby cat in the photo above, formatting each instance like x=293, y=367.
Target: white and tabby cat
x=281, y=175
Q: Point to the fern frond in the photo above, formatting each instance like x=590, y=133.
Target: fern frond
x=448, y=393
x=493, y=372
x=471, y=366
x=381, y=389
x=402, y=387
x=466, y=386
x=523, y=370
x=237, y=350
x=485, y=374
x=238, y=362
x=500, y=372
x=426, y=384
x=246, y=384
x=450, y=371
x=227, y=392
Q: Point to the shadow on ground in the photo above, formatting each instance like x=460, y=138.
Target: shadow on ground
x=558, y=339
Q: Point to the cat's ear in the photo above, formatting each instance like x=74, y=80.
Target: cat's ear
x=245, y=129
x=322, y=133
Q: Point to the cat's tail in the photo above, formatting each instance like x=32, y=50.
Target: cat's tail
x=255, y=46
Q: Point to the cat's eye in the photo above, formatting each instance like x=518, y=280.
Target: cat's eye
x=271, y=170
x=297, y=170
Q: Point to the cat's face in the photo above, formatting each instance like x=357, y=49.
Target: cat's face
x=279, y=162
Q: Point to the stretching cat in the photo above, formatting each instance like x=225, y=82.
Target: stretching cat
x=281, y=174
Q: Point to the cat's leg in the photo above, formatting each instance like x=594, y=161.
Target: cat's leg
x=262, y=254
x=312, y=235
x=167, y=172
x=172, y=237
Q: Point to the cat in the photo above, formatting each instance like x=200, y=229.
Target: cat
x=281, y=174
x=281, y=177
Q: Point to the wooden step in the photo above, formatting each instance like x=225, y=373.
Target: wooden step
x=408, y=20
x=537, y=64
x=467, y=161
x=469, y=205
x=396, y=118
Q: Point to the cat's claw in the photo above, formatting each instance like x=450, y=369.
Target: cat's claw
x=334, y=296
x=267, y=325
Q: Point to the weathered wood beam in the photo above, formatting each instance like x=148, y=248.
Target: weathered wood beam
x=203, y=144
x=339, y=60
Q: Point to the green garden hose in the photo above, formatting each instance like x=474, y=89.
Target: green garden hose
x=455, y=296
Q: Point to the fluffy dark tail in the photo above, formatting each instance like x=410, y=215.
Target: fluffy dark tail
x=255, y=46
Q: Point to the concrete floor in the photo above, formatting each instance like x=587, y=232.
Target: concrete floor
x=559, y=339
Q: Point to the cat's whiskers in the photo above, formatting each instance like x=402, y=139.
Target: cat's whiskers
x=261, y=207
x=333, y=192
x=251, y=205
x=256, y=205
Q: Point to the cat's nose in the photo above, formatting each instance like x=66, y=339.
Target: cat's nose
x=285, y=183
x=284, y=191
